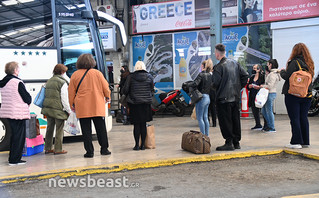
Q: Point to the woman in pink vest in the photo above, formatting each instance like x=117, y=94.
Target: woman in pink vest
x=15, y=107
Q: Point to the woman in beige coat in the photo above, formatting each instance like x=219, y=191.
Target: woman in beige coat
x=89, y=102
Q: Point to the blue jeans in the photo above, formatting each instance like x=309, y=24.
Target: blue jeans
x=267, y=111
x=202, y=114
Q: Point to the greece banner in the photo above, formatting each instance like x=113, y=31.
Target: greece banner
x=155, y=17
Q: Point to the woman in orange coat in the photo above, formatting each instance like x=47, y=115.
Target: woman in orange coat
x=89, y=102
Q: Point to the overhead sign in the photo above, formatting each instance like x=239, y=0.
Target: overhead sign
x=154, y=17
x=108, y=39
x=292, y=9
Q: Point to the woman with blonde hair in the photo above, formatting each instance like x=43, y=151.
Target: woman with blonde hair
x=138, y=88
x=297, y=107
x=203, y=82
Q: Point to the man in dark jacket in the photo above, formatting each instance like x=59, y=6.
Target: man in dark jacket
x=228, y=79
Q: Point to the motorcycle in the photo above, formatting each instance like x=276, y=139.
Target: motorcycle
x=314, y=108
x=173, y=101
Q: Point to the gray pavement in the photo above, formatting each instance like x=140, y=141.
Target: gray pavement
x=268, y=176
x=169, y=130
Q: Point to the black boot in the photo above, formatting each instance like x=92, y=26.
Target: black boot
x=226, y=147
x=236, y=145
x=136, y=148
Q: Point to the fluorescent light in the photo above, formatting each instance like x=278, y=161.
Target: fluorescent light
x=81, y=5
x=2, y=36
x=25, y=29
x=10, y=2
x=80, y=46
x=25, y=1
x=48, y=24
x=38, y=27
x=11, y=33
x=70, y=7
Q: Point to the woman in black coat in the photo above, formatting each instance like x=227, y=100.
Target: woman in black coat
x=125, y=72
x=138, y=88
x=257, y=79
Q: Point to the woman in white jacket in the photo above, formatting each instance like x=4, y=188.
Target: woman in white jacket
x=270, y=83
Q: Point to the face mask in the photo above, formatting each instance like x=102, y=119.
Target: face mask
x=122, y=71
x=254, y=72
x=267, y=69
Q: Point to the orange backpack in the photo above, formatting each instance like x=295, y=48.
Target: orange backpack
x=299, y=82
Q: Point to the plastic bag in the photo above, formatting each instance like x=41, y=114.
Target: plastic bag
x=72, y=126
x=261, y=97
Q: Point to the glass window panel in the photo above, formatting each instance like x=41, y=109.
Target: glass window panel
x=75, y=39
x=69, y=9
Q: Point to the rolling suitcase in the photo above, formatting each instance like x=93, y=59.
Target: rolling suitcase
x=196, y=142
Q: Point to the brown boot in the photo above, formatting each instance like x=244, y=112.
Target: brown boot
x=49, y=151
x=61, y=152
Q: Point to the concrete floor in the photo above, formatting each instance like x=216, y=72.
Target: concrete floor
x=169, y=130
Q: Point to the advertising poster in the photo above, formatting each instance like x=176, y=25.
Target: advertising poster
x=191, y=49
x=250, y=11
x=173, y=15
x=229, y=12
x=156, y=51
x=108, y=39
x=248, y=45
x=292, y=9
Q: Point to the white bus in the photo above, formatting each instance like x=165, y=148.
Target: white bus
x=38, y=34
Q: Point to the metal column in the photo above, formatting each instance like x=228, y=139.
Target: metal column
x=215, y=25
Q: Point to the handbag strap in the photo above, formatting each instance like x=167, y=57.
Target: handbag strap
x=81, y=81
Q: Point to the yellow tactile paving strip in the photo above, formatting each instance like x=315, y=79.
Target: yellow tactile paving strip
x=64, y=173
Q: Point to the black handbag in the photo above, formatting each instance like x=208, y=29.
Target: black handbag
x=195, y=95
x=123, y=100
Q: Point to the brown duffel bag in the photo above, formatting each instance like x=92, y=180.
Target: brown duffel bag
x=195, y=142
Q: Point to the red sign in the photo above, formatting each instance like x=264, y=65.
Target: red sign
x=290, y=9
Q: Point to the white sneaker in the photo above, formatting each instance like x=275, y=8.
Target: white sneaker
x=294, y=146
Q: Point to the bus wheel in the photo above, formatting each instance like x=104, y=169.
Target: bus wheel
x=5, y=134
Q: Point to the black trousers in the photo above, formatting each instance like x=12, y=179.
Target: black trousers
x=229, y=121
x=256, y=113
x=297, y=109
x=100, y=127
x=18, y=131
x=139, y=130
x=212, y=106
x=213, y=113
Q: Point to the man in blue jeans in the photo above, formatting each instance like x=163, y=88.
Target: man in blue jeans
x=228, y=79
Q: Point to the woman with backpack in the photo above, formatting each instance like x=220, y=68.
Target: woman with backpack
x=297, y=107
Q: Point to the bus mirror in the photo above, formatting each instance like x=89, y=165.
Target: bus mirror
x=101, y=16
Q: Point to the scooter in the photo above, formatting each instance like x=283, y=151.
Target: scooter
x=173, y=101
x=314, y=108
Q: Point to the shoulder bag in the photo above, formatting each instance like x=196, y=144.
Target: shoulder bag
x=77, y=88
x=40, y=97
